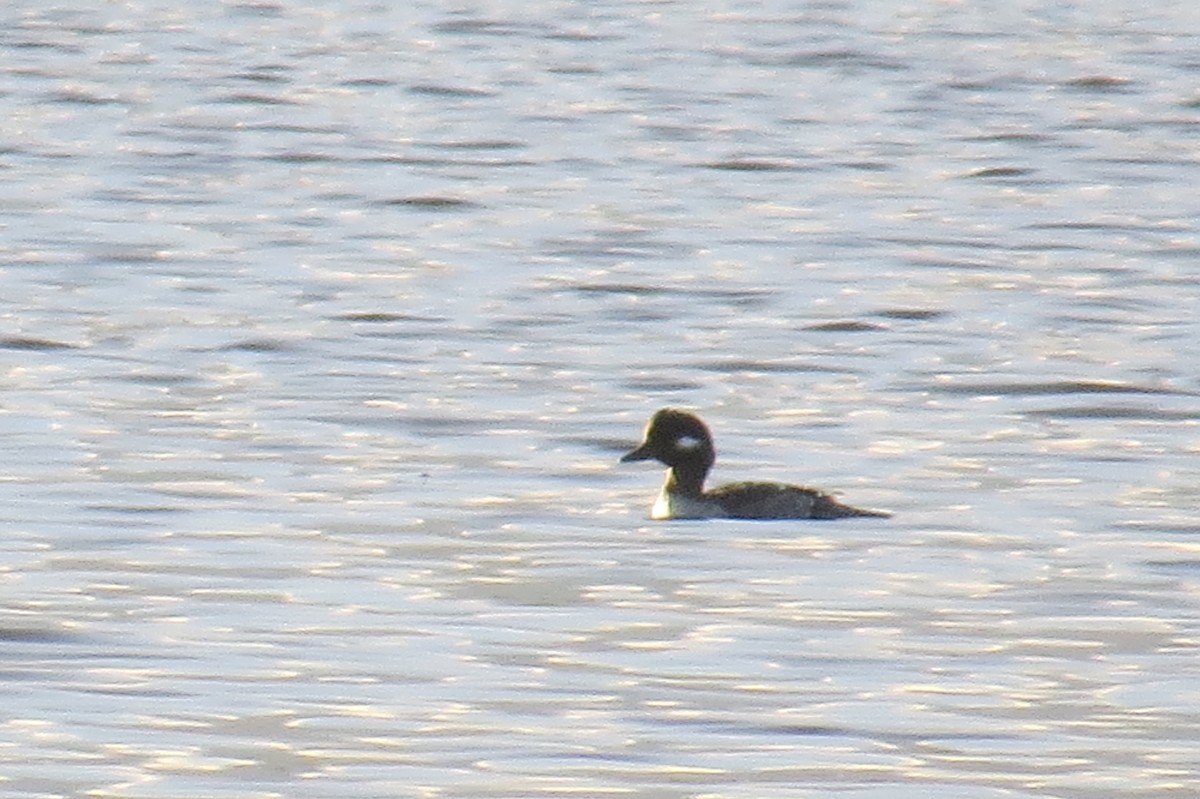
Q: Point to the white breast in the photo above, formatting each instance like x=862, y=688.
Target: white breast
x=673, y=506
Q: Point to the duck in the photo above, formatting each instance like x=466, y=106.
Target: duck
x=681, y=441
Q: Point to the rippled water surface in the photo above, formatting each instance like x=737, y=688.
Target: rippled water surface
x=322, y=328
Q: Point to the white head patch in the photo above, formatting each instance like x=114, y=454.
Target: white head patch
x=688, y=443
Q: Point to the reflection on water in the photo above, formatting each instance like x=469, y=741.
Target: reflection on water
x=324, y=330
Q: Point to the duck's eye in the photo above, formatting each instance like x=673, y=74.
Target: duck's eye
x=688, y=443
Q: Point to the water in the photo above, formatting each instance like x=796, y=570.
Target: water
x=323, y=328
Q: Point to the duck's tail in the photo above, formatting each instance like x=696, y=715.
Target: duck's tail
x=832, y=509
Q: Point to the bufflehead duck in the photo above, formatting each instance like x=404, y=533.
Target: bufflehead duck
x=681, y=441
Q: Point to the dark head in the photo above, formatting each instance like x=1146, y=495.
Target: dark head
x=676, y=437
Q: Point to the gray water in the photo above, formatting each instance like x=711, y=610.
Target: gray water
x=322, y=328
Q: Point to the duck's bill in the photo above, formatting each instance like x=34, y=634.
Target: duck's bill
x=642, y=453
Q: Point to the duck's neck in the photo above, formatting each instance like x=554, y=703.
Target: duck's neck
x=687, y=479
